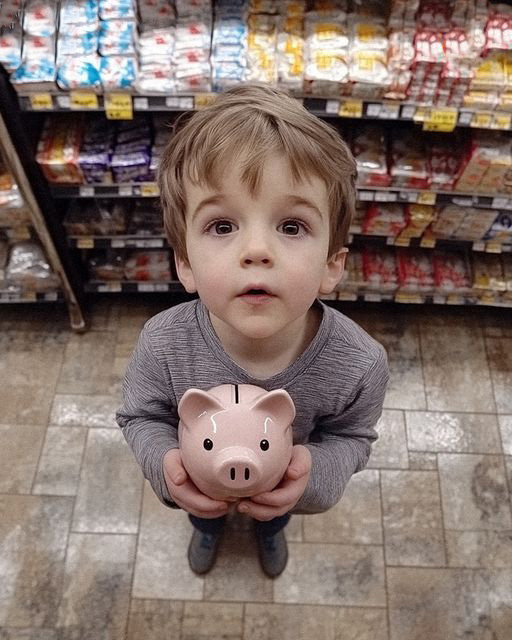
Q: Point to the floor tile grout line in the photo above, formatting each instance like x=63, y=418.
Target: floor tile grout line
x=386, y=589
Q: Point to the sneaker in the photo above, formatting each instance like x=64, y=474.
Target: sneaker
x=273, y=553
x=202, y=551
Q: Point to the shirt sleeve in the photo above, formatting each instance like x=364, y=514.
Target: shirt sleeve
x=148, y=416
x=340, y=445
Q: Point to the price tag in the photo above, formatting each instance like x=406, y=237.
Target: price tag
x=465, y=118
x=202, y=100
x=29, y=296
x=428, y=242
x=141, y=104
x=389, y=111
x=408, y=298
x=332, y=106
x=172, y=102
x=385, y=196
x=110, y=287
x=441, y=120
x=407, y=196
x=408, y=112
x=81, y=100
x=402, y=241
x=479, y=246
x=117, y=243
x=438, y=299
x=149, y=190
x=502, y=121
x=493, y=247
x=454, y=298
x=125, y=190
x=482, y=120
x=86, y=191
x=373, y=110
x=366, y=196
x=351, y=109
x=426, y=197
x=85, y=243
x=463, y=202
x=118, y=106
x=347, y=296
x=41, y=101
x=51, y=296
x=421, y=114
x=145, y=287
x=499, y=203
x=186, y=104
x=372, y=297
x=64, y=102
x=19, y=233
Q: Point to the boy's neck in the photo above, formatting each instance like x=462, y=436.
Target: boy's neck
x=267, y=357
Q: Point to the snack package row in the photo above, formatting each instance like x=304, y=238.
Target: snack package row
x=139, y=266
x=24, y=268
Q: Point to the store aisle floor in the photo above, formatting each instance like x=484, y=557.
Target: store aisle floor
x=419, y=548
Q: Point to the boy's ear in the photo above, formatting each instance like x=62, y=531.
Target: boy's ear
x=185, y=275
x=333, y=271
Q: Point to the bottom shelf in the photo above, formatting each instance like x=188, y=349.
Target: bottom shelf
x=30, y=296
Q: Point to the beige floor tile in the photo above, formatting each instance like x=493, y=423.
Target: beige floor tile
x=479, y=549
x=19, y=454
x=104, y=315
x=28, y=634
x=451, y=357
x=422, y=461
x=505, y=423
x=22, y=404
x=84, y=411
x=88, y=363
x=499, y=351
x=413, y=526
x=390, y=450
x=96, y=592
x=508, y=468
x=237, y=575
x=299, y=622
x=344, y=522
x=452, y=432
x=33, y=538
x=294, y=529
x=161, y=568
x=58, y=471
x=448, y=604
x=110, y=489
x=335, y=574
x=212, y=621
x=154, y=620
x=32, y=358
x=474, y=492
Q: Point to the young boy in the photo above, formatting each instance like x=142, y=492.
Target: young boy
x=257, y=196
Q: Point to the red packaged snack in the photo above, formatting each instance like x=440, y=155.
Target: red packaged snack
x=148, y=265
x=451, y=272
x=415, y=271
x=409, y=166
x=384, y=219
x=379, y=270
x=369, y=148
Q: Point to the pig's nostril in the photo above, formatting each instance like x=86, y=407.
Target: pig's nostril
x=246, y=474
x=232, y=473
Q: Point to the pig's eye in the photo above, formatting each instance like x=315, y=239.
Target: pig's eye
x=208, y=444
x=264, y=444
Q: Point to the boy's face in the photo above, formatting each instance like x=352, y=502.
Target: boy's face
x=258, y=263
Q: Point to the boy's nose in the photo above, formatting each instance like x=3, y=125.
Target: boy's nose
x=256, y=251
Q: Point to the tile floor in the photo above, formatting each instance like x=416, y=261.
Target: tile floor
x=420, y=547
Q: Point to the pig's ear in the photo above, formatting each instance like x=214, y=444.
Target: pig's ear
x=278, y=404
x=194, y=402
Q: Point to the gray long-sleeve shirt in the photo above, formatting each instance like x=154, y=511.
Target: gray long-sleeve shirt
x=337, y=385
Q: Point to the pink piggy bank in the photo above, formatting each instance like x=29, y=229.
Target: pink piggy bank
x=235, y=440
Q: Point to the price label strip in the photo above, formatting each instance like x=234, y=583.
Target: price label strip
x=83, y=100
x=41, y=101
x=441, y=120
x=202, y=100
x=118, y=106
x=351, y=109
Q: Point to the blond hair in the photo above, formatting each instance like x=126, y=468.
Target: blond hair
x=248, y=122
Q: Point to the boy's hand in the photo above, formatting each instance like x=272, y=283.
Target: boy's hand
x=287, y=493
x=185, y=493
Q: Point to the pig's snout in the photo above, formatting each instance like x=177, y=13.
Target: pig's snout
x=238, y=469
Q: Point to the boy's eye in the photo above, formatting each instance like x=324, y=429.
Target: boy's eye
x=220, y=227
x=291, y=227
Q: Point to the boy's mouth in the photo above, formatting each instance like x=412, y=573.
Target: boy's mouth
x=256, y=291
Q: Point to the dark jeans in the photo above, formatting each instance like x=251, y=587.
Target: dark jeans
x=216, y=525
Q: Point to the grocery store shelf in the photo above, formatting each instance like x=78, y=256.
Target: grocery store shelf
x=117, y=242
x=365, y=194
x=130, y=286
x=490, y=300
x=30, y=296
x=432, y=118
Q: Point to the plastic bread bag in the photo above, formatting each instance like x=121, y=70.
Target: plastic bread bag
x=78, y=73
x=40, y=18
x=106, y=265
x=27, y=267
x=11, y=47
